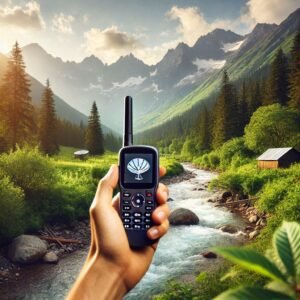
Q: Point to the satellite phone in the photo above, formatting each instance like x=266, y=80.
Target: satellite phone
x=138, y=182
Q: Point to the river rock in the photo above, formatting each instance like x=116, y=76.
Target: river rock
x=229, y=228
x=183, y=216
x=26, y=249
x=253, y=219
x=50, y=257
x=253, y=234
x=209, y=254
x=226, y=195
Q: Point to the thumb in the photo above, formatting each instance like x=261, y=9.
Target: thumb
x=106, y=186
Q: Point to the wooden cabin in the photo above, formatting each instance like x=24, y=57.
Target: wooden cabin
x=275, y=158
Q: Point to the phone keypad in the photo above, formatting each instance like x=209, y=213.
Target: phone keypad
x=141, y=201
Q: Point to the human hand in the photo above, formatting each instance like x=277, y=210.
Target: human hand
x=109, y=251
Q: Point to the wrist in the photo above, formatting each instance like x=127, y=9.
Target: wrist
x=99, y=279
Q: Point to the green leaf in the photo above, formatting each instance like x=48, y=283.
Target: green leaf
x=286, y=243
x=253, y=261
x=281, y=287
x=252, y=293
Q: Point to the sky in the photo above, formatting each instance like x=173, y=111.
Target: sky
x=110, y=29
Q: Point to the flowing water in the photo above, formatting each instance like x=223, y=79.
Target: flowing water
x=177, y=254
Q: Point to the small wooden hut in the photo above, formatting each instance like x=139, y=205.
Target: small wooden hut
x=275, y=158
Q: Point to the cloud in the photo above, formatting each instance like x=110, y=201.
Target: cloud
x=63, y=23
x=28, y=16
x=109, y=44
x=192, y=23
x=130, y=82
x=152, y=88
x=228, y=47
x=269, y=11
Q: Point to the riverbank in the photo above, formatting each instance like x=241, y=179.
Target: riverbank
x=178, y=254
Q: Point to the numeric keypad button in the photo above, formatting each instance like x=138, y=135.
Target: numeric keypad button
x=126, y=207
x=137, y=226
x=148, y=207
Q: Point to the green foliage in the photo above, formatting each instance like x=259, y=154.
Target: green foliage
x=176, y=291
x=189, y=149
x=12, y=208
x=272, y=126
x=176, y=146
x=231, y=150
x=28, y=169
x=281, y=264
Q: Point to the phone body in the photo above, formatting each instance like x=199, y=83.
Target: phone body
x=138, y=182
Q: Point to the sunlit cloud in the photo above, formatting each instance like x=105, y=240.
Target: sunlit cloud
x=28, y=16
x=109, y=44
x=63, y=23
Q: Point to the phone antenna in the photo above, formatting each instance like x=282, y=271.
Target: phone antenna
x=128, y=137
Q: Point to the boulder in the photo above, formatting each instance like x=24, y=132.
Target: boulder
x=253, y=234
x=209, y=254
x=253, y=219
x=26, y=249
x=183, y=216
x=50, y=257
x=229, y=228
x=226, y=195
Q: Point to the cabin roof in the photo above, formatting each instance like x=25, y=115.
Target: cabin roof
x=274, y=153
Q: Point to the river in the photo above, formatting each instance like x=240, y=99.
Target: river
x=177, y=254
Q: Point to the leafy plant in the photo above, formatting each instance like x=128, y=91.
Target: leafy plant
x=281, y=264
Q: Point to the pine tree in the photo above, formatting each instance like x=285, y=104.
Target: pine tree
x=295, y=74
x=48, y=123
x=278, y=80
x=225, y=115
x=243, y=107
x=94, y=137
x=255, y=97
x=19, y=112
x=203, y=130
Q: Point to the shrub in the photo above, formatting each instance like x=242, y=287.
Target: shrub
x=272, y=193
x=231, y=149
x=214, y=160
x=29, y=169
x=189, y=149
x=272, y=126
x=11, y=209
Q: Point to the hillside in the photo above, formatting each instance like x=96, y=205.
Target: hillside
x=256, y=52
x=64, y=110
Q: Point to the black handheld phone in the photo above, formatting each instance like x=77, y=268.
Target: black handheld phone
x=138, y=182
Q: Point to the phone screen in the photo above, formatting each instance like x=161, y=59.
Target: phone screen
x=138, y=168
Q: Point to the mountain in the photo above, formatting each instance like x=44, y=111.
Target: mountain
x=255, y=52
x=155, y=88
x=64, y=110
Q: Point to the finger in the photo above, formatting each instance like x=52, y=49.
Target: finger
x=162, y=171
x=157, y=232
x=106, y=187
x=162, y=194
x=116, y=202
x=160, y=214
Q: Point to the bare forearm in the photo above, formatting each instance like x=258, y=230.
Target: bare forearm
x=98, y=279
